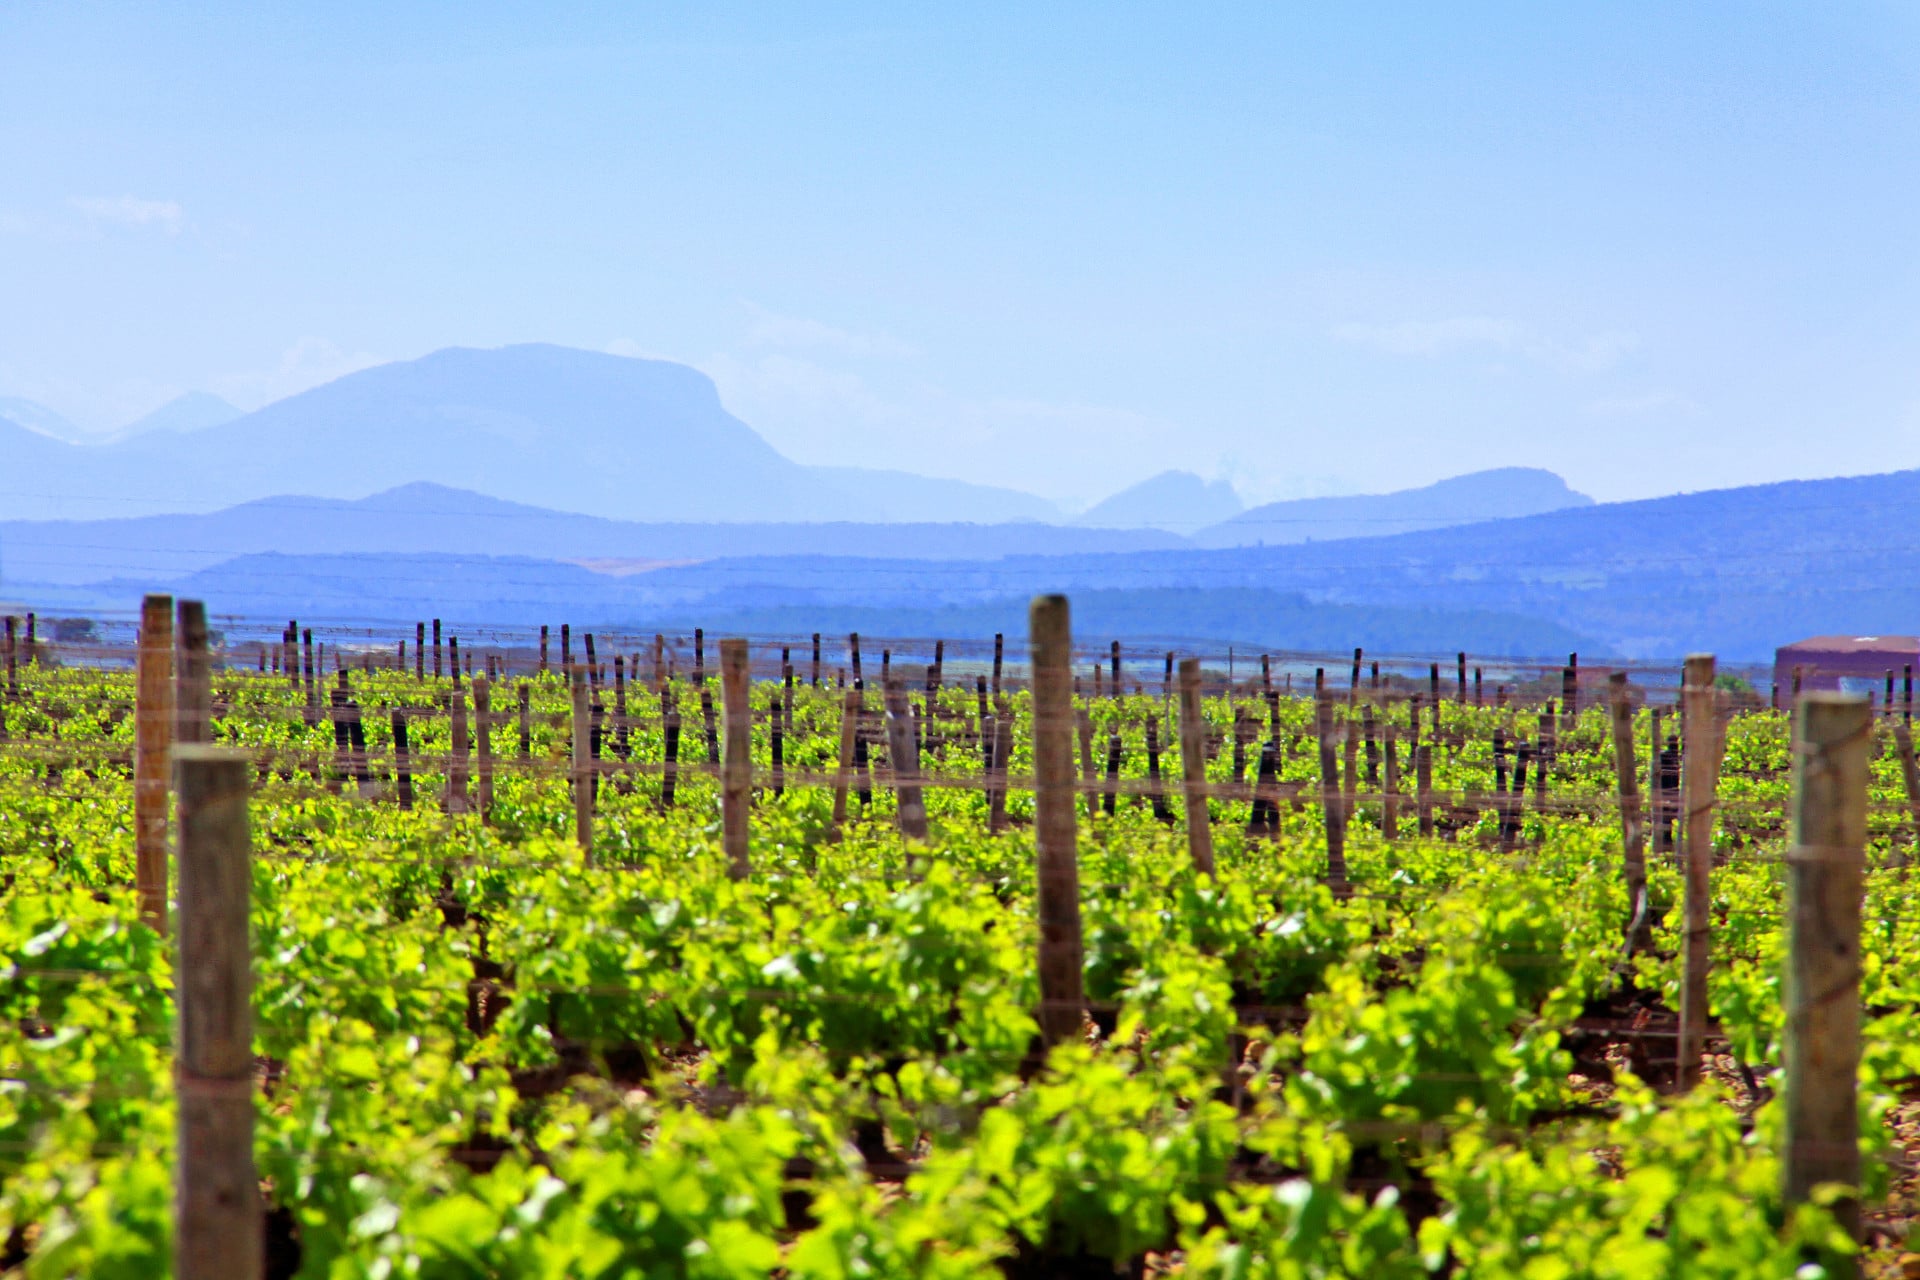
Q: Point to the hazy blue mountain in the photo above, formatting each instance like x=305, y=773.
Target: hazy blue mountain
x=194, y=411
x=434, y=518
x=39, y=419
x=550, y=426
x=1481, y=495
x=900, y=496
x=1177, y=501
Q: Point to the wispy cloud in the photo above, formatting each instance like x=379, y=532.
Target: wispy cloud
x=770, y=329
x=1489, y=335
x=131, y=212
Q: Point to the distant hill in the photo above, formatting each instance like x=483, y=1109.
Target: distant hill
x=554, y=427
x=194, y=411
x=429, y=518
x=1177, y=501
x=38, y=419
x=1480, y=495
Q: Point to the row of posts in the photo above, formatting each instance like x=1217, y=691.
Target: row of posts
x=218, y=1227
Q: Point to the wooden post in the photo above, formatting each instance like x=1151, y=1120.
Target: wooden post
x=910, y=810
x=815, y=680
x=483, y=742
x=457, y=796
x=1083, y=727
x=1910, y=777
x=1390, y=799
x=153, y=741
x=737, y=772
x=193, y=676
x=999, y=652
x=853, y=659
x=1423, y=786
x=453, y=658
x=1825, y=875
x=402, y=765
x=217, y=1211
x=1002, y=748
x=849, y=735
x=670, y=744
x=1156, y=786
x=439, y=652
x=1110, y=798
x=1633, y=835
x=1332, y=803
x=1193, y=767
x=1697, y=780
x=1460, y=670
x=1056, y=838
x=1657, y=812
x=582, y=759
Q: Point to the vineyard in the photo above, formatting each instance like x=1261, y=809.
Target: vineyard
x=725, y=960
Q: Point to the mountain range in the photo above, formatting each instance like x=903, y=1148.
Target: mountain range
x=568, y=431
x=496, y=460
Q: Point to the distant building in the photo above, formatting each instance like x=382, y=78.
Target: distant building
x=1857, y=664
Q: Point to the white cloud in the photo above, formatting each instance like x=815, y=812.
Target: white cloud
x=132, y=212
x=306, y=364
x=1489, y=334
x=767, y=328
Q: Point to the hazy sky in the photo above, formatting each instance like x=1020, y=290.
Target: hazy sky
x=1653, y=247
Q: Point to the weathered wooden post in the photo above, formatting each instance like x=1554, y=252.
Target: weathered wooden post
x=1332, y=802
x=910, y=810
x=999, y=651
x=458, y=799
x=193, y=675
x=453, y=657
x=483, y=744
x=1390, y=800
x=1460, y=677
x=582, y=760
x=1699, y=761
x=1825, y=878
x=1910, y=779
x=153, y=742
x=670, y=744
x=1423, y=786
x=736, y=778
x=814, y=682
x=1062, y=1000
x=849, y=736
x=1193, y=767
x=402, y=765
x=1002, y=748
x=218, y=1218
x=1633, y=835
x=438, y=651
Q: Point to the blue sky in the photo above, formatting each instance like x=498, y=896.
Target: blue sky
x=1654, y=247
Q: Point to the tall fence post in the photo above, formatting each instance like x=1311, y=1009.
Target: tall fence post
x=843, y=775
x=1062, y=997
x=737, y=770
x=582, y=763
x=483, y=744
x=1193, y=767
x=1633, y=832
x=193, y=675
x=1825, y=878
x=218, y=1221
x=1699, y=768
x=910, y=808
x=1332, y=800
x=153, y=740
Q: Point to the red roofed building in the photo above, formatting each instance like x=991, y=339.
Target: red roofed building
x=1856, y=663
